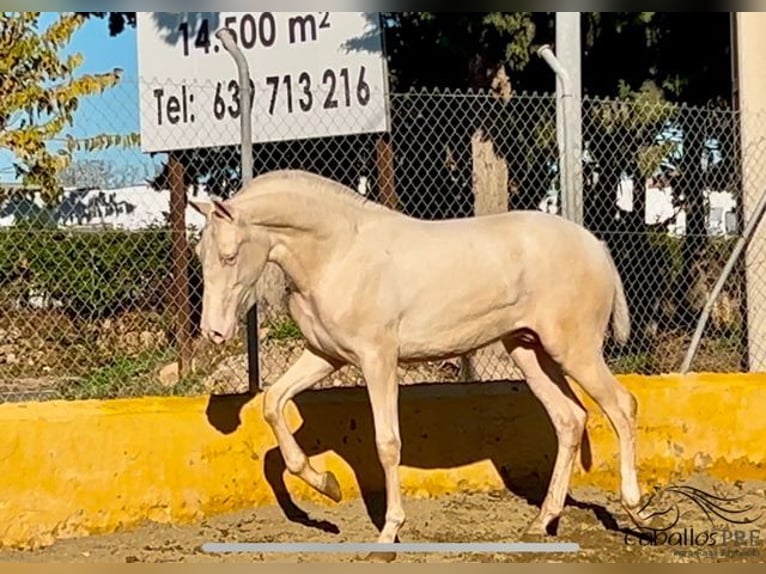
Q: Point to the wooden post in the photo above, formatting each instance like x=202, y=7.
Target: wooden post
x=180, y=253
x=384, y=152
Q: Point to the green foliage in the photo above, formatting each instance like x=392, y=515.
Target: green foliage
x=638, y=363
x=92, y=274
x=687, y=55
x=625, y=131
x=118, y=21
x=39, y=95
x=457, y=49
x=284, y=329
x=126, y=376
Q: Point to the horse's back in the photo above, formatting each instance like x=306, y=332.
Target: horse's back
x=486, y=257
x=511, y=236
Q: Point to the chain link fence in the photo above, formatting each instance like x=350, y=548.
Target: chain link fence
x=90, y=305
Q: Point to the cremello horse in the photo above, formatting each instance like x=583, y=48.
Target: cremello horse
x=374, y=288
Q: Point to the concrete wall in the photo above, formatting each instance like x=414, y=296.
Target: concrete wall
x=73, y=468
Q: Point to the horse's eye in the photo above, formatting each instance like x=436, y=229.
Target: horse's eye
x=228, y=259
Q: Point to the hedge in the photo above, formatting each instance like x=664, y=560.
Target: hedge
x=95, y=274
x=92, y=274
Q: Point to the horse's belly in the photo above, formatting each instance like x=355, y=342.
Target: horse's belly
x=439, y=331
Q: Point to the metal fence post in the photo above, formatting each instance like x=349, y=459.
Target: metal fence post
x=568, y=52
x=230, y=45
x=568, y=111
x=563, y=88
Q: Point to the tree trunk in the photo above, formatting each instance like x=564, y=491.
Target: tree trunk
x=691, y=283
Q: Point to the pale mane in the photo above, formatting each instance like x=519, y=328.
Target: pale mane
x=311, y=185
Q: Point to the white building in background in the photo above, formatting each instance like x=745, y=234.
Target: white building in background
x=139, y=207
x=722, y=215
x=722, y=218
x=131, y=208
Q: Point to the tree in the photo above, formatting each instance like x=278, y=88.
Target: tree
x=683, y=58
x=118, y=21
x=39, y=95
x=461, y=50
x=694, y=67
x=101, y=174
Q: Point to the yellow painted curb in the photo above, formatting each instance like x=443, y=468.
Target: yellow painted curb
x=74, y=468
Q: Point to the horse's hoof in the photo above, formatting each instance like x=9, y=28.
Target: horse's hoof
x=535, y=532
x=651, y=523
x=380, y=557
x=331, y=487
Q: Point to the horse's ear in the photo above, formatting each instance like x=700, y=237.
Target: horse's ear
x=203, y=207
x=223, y=211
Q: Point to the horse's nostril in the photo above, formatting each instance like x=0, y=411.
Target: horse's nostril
x=216, y=337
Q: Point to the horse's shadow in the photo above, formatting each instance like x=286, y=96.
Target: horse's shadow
x=515, y=435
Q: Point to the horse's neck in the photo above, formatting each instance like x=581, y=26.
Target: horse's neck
x=318, y=214
x=305, y=231
x=300, y=260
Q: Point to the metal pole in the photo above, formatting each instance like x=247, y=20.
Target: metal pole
x=738, y=247
x=568, y=51
x=563, y=91
x=246, y=128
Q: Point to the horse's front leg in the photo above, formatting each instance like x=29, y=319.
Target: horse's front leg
x=379, y=372
x=308, y=370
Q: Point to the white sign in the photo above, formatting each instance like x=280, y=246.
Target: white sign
x=313, y=74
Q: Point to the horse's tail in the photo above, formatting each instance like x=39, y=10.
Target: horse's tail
x=620, y=312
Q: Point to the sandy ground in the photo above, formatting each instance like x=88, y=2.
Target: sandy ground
x=593, y=519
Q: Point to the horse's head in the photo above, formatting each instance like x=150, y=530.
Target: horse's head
x=233, y=255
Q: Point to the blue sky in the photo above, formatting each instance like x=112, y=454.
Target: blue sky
x=115, y=111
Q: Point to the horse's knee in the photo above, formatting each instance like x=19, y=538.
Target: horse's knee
x=270, y=407
x=389, y=450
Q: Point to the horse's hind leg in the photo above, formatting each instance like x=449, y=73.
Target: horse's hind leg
x=591, y=372
x=568, y=418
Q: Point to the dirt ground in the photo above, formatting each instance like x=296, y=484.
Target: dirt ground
x=593, y=519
